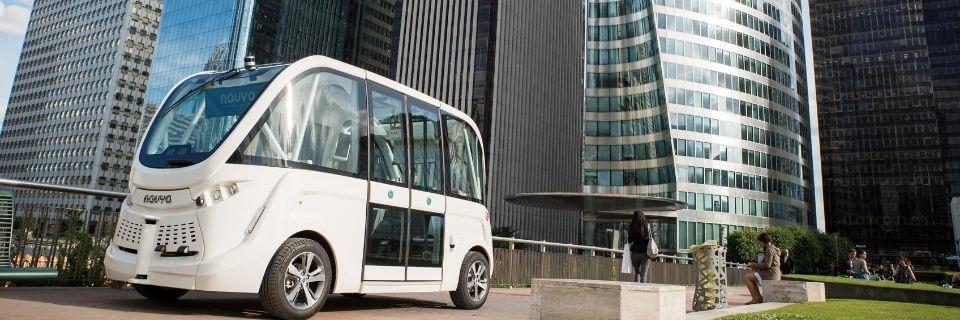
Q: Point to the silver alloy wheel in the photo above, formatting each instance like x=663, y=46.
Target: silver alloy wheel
x=477, y=281
x=304, y=280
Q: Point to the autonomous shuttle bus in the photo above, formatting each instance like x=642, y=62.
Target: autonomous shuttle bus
x=300, y=180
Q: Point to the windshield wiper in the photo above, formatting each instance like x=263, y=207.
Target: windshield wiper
x=220, y=77
x=179, y=163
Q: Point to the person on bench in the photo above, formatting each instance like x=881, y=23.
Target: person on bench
x=767, y=267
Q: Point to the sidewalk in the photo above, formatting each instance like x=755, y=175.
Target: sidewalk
x=105, y=303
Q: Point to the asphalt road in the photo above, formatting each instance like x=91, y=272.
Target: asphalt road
x=105, y=303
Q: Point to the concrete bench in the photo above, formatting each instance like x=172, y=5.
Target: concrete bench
x=597, y=299
x=793, y=291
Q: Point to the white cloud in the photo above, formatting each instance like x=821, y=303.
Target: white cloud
x=13, y=19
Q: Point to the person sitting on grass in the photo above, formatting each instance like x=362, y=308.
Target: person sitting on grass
x=861, y=269
x=847, y=267
x=767, y=268
x=904, y=272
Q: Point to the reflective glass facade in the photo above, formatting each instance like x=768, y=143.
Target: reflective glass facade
x=516, y=68
x=195, y=36
x=888, y=84
x=704, y=101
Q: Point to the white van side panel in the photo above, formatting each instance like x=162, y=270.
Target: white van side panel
x=333, y=206
x=327, y=204
x=466, y=228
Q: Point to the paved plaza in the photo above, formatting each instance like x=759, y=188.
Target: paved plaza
x=105, y=303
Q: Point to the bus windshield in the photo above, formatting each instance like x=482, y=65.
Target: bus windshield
x=199, y=115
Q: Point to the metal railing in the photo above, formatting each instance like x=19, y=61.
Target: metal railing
x=71, y=240
x=592, y=251
x=515, y=266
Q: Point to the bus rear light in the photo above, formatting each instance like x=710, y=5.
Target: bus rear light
x=488, y=216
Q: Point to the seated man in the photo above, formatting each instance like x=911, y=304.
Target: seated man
x=847, y=266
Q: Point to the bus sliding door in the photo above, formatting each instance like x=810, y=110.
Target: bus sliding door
x=388, y=210
x=427, y=202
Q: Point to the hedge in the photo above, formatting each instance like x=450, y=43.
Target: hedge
x=811, y=250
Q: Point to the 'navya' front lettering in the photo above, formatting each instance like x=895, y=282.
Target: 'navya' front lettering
x=158, y=198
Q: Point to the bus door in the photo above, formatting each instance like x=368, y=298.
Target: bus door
x=388, y=209
x=427, y=202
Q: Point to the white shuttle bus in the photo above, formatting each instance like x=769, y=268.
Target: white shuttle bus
x=300, y=180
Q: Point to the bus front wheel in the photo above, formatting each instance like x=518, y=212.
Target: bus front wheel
x=297, y=281
x=474, y=284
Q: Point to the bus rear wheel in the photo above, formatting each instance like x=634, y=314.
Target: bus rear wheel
x=474, y=285
x=297, y=281
x=159, y=293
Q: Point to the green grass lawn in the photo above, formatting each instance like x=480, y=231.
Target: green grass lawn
x=854, y=309
x=885, y=284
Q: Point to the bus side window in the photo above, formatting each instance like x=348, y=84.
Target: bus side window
x=388, y=157
x=425, y=163
x=464, y=169
x=313, y=122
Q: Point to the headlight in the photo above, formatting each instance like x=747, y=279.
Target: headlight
x=216, y=194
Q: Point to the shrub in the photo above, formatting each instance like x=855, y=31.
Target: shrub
x=742, y=246
x=811, y=250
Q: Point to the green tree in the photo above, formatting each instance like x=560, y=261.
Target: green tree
x=811, y=250
x=742, y=246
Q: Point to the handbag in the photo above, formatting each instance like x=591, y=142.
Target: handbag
x=626, y=266
x=652, y=250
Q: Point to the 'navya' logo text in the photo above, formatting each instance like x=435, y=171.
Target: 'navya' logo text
x=238, y=97
x=158, y=198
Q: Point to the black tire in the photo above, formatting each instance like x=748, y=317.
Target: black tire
x=354, y=295
x=465, y=297
x=276, y=280
x=160, y=293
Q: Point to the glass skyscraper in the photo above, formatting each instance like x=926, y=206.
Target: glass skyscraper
x=77, y=99
x=707, y=102
x=200, y=35
x=514, y=66
x=888, y=84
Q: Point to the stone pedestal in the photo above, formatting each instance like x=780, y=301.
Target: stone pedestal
x=793, y=291
x=597, y=299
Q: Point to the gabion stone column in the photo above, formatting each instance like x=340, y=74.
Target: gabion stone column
x=711, y=260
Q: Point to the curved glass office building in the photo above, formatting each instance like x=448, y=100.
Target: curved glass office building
x=705, y=101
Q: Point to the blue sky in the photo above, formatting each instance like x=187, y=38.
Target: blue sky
x=14, y=15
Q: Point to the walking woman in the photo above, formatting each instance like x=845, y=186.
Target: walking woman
x=639, y=238
x=768, y=268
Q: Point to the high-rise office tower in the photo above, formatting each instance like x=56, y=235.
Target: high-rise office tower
x=888, y=83
x=516, y=67
x=202, y=35
x=6, y=226
x=77, y=98
x=704, y=101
